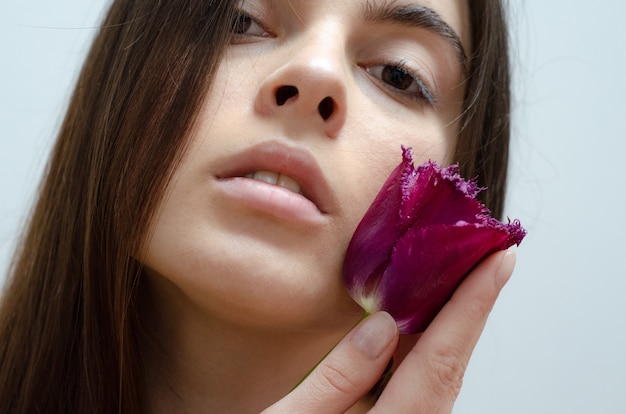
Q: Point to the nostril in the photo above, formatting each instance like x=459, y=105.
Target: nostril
x=284, y=93
x=326, y=108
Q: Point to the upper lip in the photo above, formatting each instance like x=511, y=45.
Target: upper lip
x=282, y=158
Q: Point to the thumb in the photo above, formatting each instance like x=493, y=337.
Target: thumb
x=348, y=372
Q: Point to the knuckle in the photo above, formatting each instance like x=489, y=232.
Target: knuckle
x=447, y=367
x=479, y=308
x=338, y=378
x=475, y=310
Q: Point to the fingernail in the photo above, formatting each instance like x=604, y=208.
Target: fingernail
x=506, y=268
x=375, y=334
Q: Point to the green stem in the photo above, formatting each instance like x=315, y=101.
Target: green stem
x=365, y=315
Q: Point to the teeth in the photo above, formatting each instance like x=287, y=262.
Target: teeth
x=275, y=178
x=266, y=176
x=288, y=183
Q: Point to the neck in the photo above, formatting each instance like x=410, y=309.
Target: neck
x=196, y=363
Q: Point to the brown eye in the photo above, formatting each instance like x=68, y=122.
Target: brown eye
x=401, y=80
x=396, y=77
x=241, y=23
x=244, y=25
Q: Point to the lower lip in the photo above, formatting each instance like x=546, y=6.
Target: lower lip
x=271, y=200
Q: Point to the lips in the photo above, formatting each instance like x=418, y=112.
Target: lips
x=281, y=179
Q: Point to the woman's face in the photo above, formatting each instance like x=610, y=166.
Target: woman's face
x=305, y=121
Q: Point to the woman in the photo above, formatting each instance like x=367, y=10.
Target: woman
x=185, y=251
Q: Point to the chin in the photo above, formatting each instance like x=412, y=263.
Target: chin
x=255, y=273
x=286, y=301
x=267, y=295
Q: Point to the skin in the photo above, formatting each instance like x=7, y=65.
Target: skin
x=244, y=292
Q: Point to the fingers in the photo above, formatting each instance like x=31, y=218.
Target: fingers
x=348, y=372
x=430, y=377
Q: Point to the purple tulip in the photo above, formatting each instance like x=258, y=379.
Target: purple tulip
x=424, y=232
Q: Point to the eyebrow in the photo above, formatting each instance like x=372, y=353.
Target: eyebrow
x=417, y=16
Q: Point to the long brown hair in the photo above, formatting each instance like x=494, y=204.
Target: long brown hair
x=67, y=337
x=68, y=324
x=483, y=144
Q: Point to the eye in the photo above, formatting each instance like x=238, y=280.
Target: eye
x=399, y=78
x=244, y=25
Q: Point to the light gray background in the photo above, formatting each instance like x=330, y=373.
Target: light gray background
x=556, y=342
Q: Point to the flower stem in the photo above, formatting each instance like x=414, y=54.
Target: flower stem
x=365, y=315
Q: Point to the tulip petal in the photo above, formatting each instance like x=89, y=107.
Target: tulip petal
x=379, y=229
x=439, y=195
x=428, y=264
x=422, y=235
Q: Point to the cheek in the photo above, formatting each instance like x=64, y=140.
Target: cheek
x=372, y=149
x=384, y=125
x=232, y=87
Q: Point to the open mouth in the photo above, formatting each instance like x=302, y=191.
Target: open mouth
x=291, y=173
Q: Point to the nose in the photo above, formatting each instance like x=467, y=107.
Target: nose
x=308, y=90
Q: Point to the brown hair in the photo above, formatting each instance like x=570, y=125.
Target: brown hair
x=68, y=324
x=67, y=337
x=483, y=145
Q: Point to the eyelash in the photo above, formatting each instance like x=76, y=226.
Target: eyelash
x=238, y=18
x=422, y=94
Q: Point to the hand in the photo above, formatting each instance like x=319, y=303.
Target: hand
x=429, y=378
